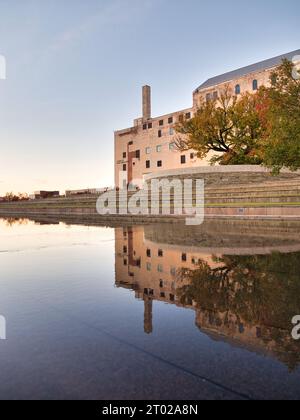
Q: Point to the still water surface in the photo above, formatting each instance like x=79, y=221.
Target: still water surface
x=148, y=312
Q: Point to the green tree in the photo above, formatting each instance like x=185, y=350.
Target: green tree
x=280, y=119
x=227, y=126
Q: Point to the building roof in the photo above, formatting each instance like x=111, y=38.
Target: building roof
x=263, y=65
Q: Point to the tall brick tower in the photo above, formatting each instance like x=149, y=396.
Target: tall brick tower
x=146, y=103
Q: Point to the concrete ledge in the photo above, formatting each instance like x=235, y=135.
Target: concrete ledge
x=218, y=169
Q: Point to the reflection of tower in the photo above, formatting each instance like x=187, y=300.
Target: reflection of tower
x=148, y=304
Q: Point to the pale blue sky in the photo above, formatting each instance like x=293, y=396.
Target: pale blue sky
x=75, y=69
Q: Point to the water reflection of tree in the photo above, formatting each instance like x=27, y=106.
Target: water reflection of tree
x=262, y=291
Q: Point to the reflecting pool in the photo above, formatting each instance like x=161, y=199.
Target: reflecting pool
x=149, y=312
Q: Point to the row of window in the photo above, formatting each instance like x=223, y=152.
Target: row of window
x=171, y=132
x=160, y=253
x=237, y=90
x=183, y=160
x=159, y=147
x=148, y=150
x=150, y=292
x=161, y=123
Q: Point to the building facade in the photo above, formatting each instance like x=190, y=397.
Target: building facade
x=149, y=146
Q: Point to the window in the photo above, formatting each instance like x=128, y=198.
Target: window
x=124, y=167
x=184, y=257
x=149, y=267
x=138, y=154
x=159, y=133
x=192, y=156
x=158, y=148
x=238, y=90
x=161, y=284
x=148, y=150
x=161, y=122
x=148, y=164
x=163, y=295
x=125, y=262
x=144, y=126
x=159, y=164
x=173, y=271
x=188, y=115
x=255, y=85
x=160, y=268
x=215, y=95
x=125, y=249
x=150, y=125
x=208, y=97
x=171, y=131
x=172, y=146
x=124, y=155
x=170, y=120
x=183, y=160
x=172, y=298
x=160, y=253
x=149, y=253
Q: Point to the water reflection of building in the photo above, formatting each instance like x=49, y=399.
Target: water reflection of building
x=248, y=300
x=150, y=269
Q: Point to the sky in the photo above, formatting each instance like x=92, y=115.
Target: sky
x=75, y=69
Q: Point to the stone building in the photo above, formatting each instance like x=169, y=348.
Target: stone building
x=149, y=146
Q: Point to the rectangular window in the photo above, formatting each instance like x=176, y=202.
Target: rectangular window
x=192, y=156
x=124, y=167
x=170, y=120
x=125, y=249
x=138, y=154
x=160, y=268
x=184, y=258
x=124, y=155
x=149, y=253
x=171, y=131
x=148, y=150
x=148, y=164
x=150, y=125
x=159, y=133
x=188, y=115
x=161, y=284
x=173, y=271
x=149, y=267
x=172, y=146
x=159, y=164
x=160, y=253
x=215, y=95
x=144, y=126
x=158, y=148
x=183, y=160
x=161, y=123
x=208, y=97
